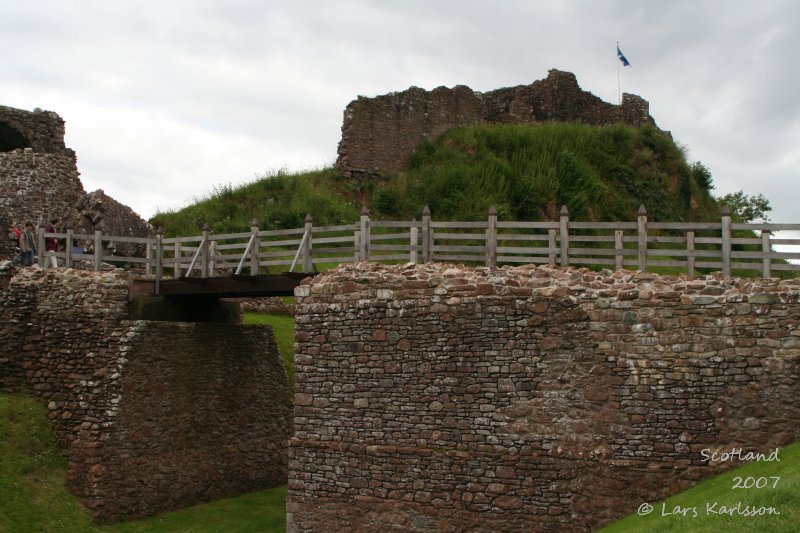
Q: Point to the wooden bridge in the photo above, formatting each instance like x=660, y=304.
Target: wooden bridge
x=261, y=262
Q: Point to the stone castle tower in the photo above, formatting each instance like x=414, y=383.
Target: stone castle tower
x=39, y=179
x=380, y=134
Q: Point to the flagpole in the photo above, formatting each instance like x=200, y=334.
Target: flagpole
x=619, y=89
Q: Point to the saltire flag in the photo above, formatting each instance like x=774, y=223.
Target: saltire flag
x=622, y=58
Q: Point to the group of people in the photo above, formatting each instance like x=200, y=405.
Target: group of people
x=26, y=241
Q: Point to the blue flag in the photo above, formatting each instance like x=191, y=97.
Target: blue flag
x=622, y=58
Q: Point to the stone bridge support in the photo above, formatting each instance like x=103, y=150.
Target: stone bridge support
x=152, y=415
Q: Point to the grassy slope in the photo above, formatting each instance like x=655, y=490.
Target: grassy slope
x=526, y=172
x=785, y=498
x=33, y=495
x=284, y=334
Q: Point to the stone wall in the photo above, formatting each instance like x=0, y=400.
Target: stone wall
x=8, y=250
x=151, y=415
x=39, y=180
x=42, y=131
x=37, y=186
x=442, y=398
x=380, y=134
x=271, y=305
x=97, y=210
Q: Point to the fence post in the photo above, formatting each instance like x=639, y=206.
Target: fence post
x=98, y=250
x=552, y=251
x=308, y=262
x=356, y=246
x=148, y=255
x=159, y=254
x=427, y=245
x=491, y=238
x=255, y=251
x=363, y=250
x=176, y=269
x=564, y=237
x=766, y=248
x=413, y=241
x=619, y=247
x=40, y=250
x=204, y=252
x=690, y=257
x=68, y=248
x=642, y=231
x=726, y=240
x=212, y=259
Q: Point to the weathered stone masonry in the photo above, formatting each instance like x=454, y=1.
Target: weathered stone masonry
x=152, y=415
x=517, y=399
x=380, y=134
x=39, y=180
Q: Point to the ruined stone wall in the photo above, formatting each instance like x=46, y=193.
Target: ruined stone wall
x=42, y=131
x=8, y=250
x=517, y=399
x=39, y=180
x=37, y=186
x=380, y=134
x=151, y=415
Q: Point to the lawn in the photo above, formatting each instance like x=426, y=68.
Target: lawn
x=780, y=490
x=283, y=326
x=35, y=498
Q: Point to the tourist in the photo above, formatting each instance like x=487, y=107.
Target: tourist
x=51, y=243
x=27, y=245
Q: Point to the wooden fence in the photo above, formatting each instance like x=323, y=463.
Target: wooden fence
x=688, y=246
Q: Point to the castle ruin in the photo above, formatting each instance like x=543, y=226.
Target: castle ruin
x=380, y=134
x=39, y=179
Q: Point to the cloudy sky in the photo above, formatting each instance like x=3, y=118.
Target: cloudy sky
x=165, y=99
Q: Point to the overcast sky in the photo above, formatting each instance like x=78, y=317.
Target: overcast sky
x=165, y=99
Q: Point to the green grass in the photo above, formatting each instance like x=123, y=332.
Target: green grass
x=283, y=326
x=33, y=495
x=600, y=173
x=263, y=511
x=785, y=498
x=35, y=498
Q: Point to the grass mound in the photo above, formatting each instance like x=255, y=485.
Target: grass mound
x=527, y=172
x=701, y=509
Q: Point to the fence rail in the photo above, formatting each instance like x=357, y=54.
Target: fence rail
x=642, y=244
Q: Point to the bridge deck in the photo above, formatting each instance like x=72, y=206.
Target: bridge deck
x=225, y=287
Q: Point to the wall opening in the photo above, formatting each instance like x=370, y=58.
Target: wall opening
x=185, y=309
x=11, y=139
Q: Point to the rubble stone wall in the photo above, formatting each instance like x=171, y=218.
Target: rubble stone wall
x=152, y=416
x=39, y=181
x=37, y=186
x=42, y=131
x=380, y=134
x=443, y=398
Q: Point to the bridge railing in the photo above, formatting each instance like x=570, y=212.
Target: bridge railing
x=686, y=246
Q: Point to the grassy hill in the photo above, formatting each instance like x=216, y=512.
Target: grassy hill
x=600, y=173
x=700, y=509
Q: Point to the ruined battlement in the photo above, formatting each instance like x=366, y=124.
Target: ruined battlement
x=41, y=131
x=380, y=134
x=39, y=180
